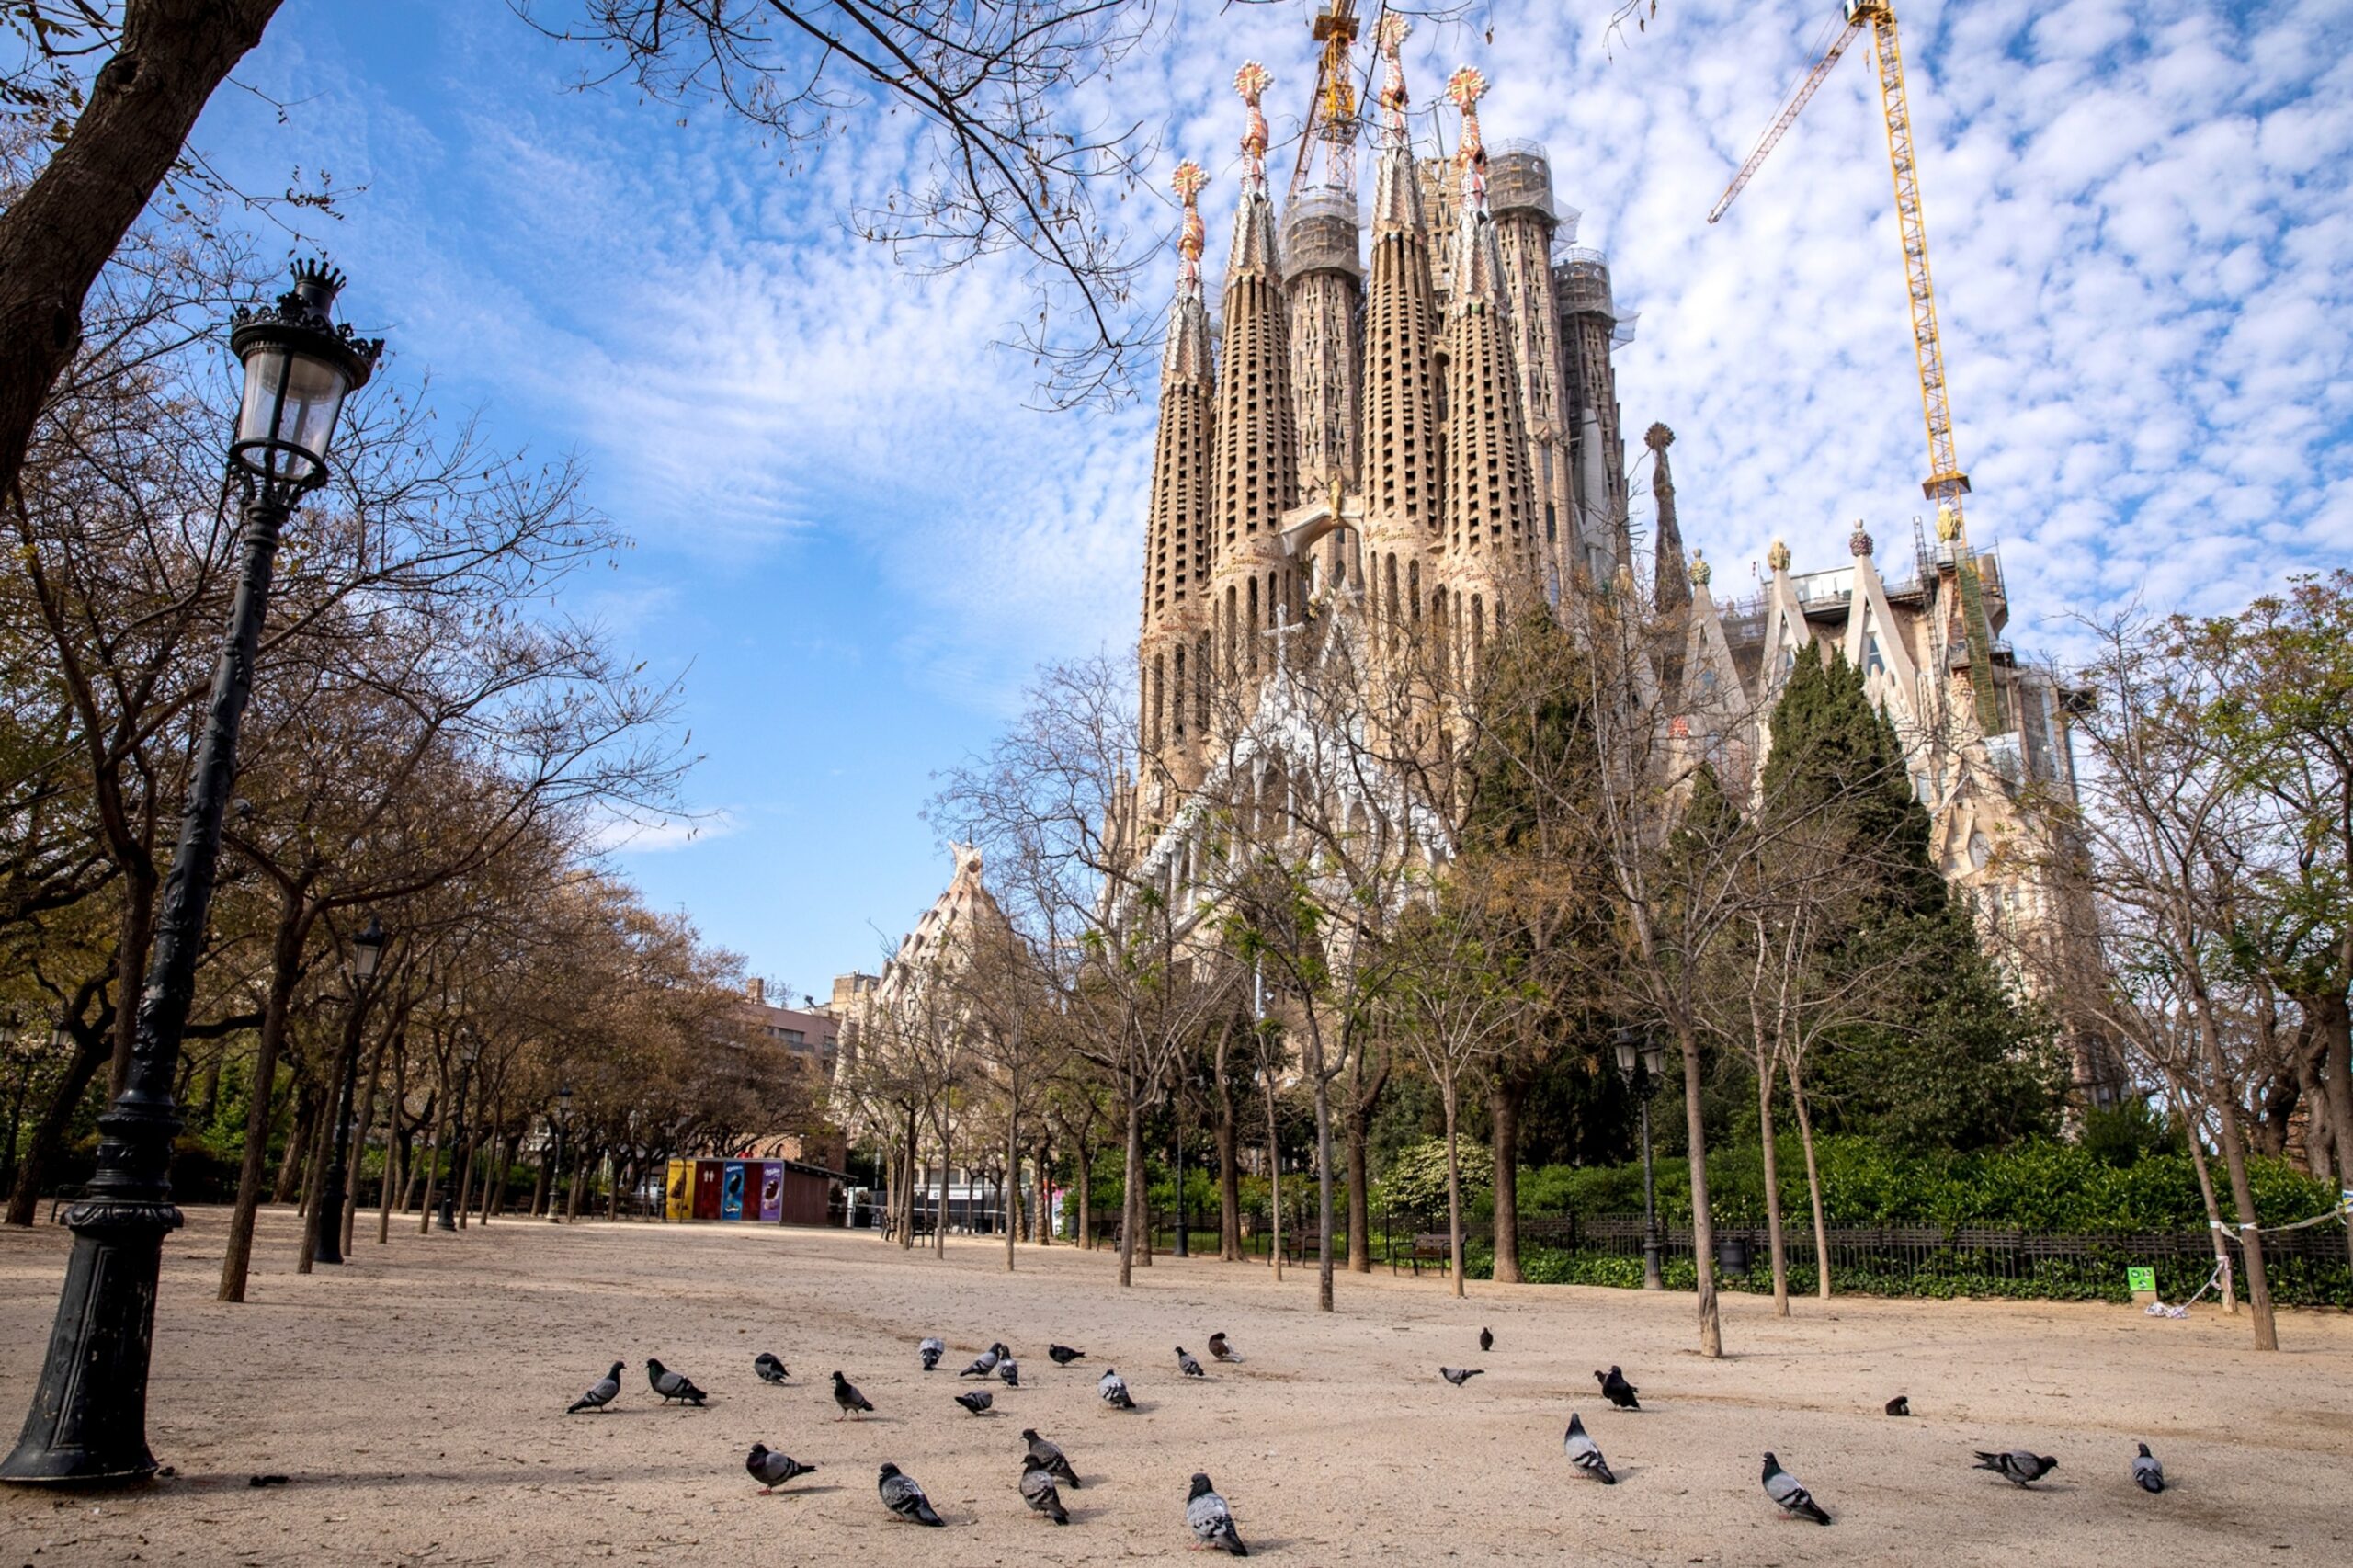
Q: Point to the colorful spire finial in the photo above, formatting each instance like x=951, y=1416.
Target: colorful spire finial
x=1252, y=81
x=1187, y=182
x=1700, y=570
x=1947, y=522
x=1390, y=37
x=1466, y=88
x=1860, y=541
x=1777, y=558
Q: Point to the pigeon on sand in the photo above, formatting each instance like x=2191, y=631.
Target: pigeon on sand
x=1047, y=1456
x=977, y=1401
x=1187, y=1365
x=771, y=1469
x=2018, y=1466
x=1617, y=1389
x=770, y=1369
x=1114, y=1390
x=1063, y=1354
x=1584, y=1453
x=1038, y=1491
x=1486, y=1340
x=1008, y=1372
x=2147, y=1473
x=1900, y=1405
x=1220, y=1350
x=1212, y=1521
x=1790, y=1494
x=984, y=1363
x=672, y=1385
x=845, y=1395
x=1458, y=1376
x=903, y=1495
x=601, y=1393
x=931, y=1350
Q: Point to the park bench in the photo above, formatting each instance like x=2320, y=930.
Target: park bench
x=1432, y=1247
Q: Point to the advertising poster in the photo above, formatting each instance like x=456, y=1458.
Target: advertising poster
x=678, y=1194
x=730, y=1190
x=707, y=1189
x=771, y=1190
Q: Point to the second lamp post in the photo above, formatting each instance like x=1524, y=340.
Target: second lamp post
x=1640, y=1059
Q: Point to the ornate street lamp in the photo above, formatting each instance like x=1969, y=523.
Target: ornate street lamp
x=366, y=953
x=1640, y=1060
x=89, y=1421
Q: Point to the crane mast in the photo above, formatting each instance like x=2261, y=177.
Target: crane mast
x=1945, y=483
x=1332, y=122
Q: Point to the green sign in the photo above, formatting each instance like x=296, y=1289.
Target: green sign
x=2143, y=1281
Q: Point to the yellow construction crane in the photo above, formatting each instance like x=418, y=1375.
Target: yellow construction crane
x=1946, y=482
x=1331, y=121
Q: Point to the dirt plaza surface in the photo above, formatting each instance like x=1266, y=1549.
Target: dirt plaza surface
x=414, y=1401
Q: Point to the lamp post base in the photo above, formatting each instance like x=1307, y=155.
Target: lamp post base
x=1652, y=1278
x=88, y=1422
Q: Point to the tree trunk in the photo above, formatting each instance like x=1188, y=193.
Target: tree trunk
x=133, y=946
x=1505, y=1096
x=1229, y=1182
x=364, y=1118
x=1774, y=1241
x=1012, y=1161
x=1130, y=1189
x=1086, y=1195
x=1450, y=1097
x=940, y=1231
x=286, y=969
x=1274, y=1184
x=2258, y=1288
x=302, y=1137
x=398, y=1143
x=346, y=1066
x=2336, y=1022
x=1323, y=1192
x=66, y=226
x=1812, y=1186
x=90, y=1052
x=1703, y=1228
x=2181, y=1103
x=1362, y=1101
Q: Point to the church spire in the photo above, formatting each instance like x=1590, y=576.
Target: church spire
x=1672, y=589
x=1399, y=449
x=1177, y=550
x=1490, y=533
x=1256, y=460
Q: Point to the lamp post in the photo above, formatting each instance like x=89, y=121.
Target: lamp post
x=447, y=1219
x=366, y=951
x=562, y=1122
x=89, y=1421
x=1640, y=1059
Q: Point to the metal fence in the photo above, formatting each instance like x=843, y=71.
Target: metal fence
x=2306, y=1267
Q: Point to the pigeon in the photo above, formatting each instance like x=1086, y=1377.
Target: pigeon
x=985, y=1363
x=977, y=1401
x=1458, y=1376
x=1046, y=1456
x=602, y=1392
x=771, y=1469
x=1008, y=1372
x=1038, y=1491
x=931, y=1351
x=2017, y=1467
x=1220, y=1350
x=1212, y=1521
x=2147, y=1473
x=1187, y=1365
x=903, y=1495
x=1900, y=1405
x=1616, y=1388
x=1584, y=1453
x=672, y=1385
x=1114, y=1390
x=845, y=1395
x=1790, y=1494
x=1063, y=1354
x=770, y=1369
x=1486, y=1340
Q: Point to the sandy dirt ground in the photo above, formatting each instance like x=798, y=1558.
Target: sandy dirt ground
x=415, y=1398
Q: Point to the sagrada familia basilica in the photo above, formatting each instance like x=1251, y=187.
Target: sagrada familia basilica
x=1417, y=428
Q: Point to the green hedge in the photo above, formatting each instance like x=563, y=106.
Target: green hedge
x=2045, y=1188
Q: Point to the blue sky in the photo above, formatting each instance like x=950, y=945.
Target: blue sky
x=853, y=537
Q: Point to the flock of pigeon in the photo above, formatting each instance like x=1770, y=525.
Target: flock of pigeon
x=1045, y=1469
